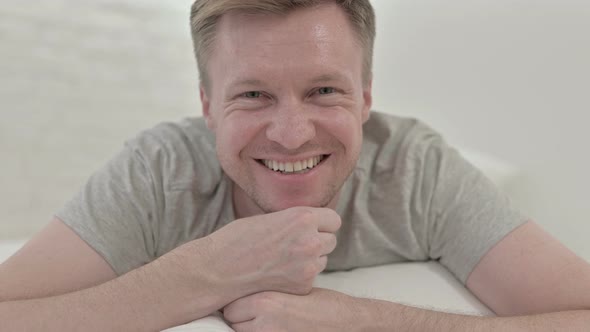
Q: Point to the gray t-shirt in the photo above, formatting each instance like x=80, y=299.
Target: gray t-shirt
x=411, y=197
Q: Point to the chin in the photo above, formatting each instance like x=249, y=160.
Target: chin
x=274, y=206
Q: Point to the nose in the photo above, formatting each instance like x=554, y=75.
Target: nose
x=291, y=127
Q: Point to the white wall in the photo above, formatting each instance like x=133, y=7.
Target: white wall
x=505, y=77
x=78, y=78
x=511, y=78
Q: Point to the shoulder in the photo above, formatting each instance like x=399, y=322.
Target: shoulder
x=180, y=152
x=188, y=133
x=395, y=143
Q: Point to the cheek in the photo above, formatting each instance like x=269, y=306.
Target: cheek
x=235, y=133
x=346, y=128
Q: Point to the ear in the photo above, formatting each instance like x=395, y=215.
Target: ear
x=206, y=105
x=367, y=100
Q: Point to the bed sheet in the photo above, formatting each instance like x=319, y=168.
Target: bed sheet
x=422, y=284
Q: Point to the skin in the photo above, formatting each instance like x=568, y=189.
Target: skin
x=529, y=279
x=279, y=115
x=286, y=89
x=286, y=224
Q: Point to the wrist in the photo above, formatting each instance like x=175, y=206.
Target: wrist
x=202, y=265
x=368, y=315
x=222, y=268
x=192, y=276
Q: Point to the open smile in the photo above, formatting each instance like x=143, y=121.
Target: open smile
x=293, y=167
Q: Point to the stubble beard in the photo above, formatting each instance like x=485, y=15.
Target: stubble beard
x=267, y=207
x=258, y=197
x=330, y=192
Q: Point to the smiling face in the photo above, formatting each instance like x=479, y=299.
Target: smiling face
x=286, y=102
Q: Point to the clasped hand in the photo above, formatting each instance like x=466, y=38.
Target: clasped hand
x=272, y=261
x=320, y=310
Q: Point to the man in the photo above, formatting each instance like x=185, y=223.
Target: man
x=240, y=211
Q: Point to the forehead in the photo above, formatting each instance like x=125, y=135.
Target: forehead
x=303, y=41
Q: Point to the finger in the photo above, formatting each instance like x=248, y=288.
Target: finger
x=322, y=263
x=244, y=326
x=328, y=241
x=329, y=221
x=241, y=310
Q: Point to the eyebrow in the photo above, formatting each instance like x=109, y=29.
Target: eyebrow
x=247, y=82
x=329, y=78
x=319, y=79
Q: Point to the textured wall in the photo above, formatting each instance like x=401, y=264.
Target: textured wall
x=79, y=77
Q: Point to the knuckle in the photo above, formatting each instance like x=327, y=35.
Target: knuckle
x=309, y=272
x=303, y=252
x=306, y=247
x=313, y=245
x=304, y=216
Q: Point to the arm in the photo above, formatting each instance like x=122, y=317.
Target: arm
x=528, y=276
x=285, y=252
x=384, y=316
x=58, y=283
x=51, y=252
x=530, y=272
x=274, y=311
x=156, y=296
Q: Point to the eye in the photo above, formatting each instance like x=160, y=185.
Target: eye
x=252, y=94
x=325, y=90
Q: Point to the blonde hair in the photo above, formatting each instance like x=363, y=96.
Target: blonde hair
x=206, y=13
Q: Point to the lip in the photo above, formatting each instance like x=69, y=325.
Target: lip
x=294, y=177
x=282, y=159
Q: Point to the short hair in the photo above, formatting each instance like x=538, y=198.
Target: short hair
x=206, y=13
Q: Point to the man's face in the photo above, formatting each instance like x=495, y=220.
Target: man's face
x=287, y=93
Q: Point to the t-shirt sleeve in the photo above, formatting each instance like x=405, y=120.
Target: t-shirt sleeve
x=116, y=210
x=468, y=213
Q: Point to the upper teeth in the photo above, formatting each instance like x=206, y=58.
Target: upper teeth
x=290, y=167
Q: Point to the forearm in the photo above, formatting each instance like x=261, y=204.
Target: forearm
x=156, y=296
x=386, y=316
